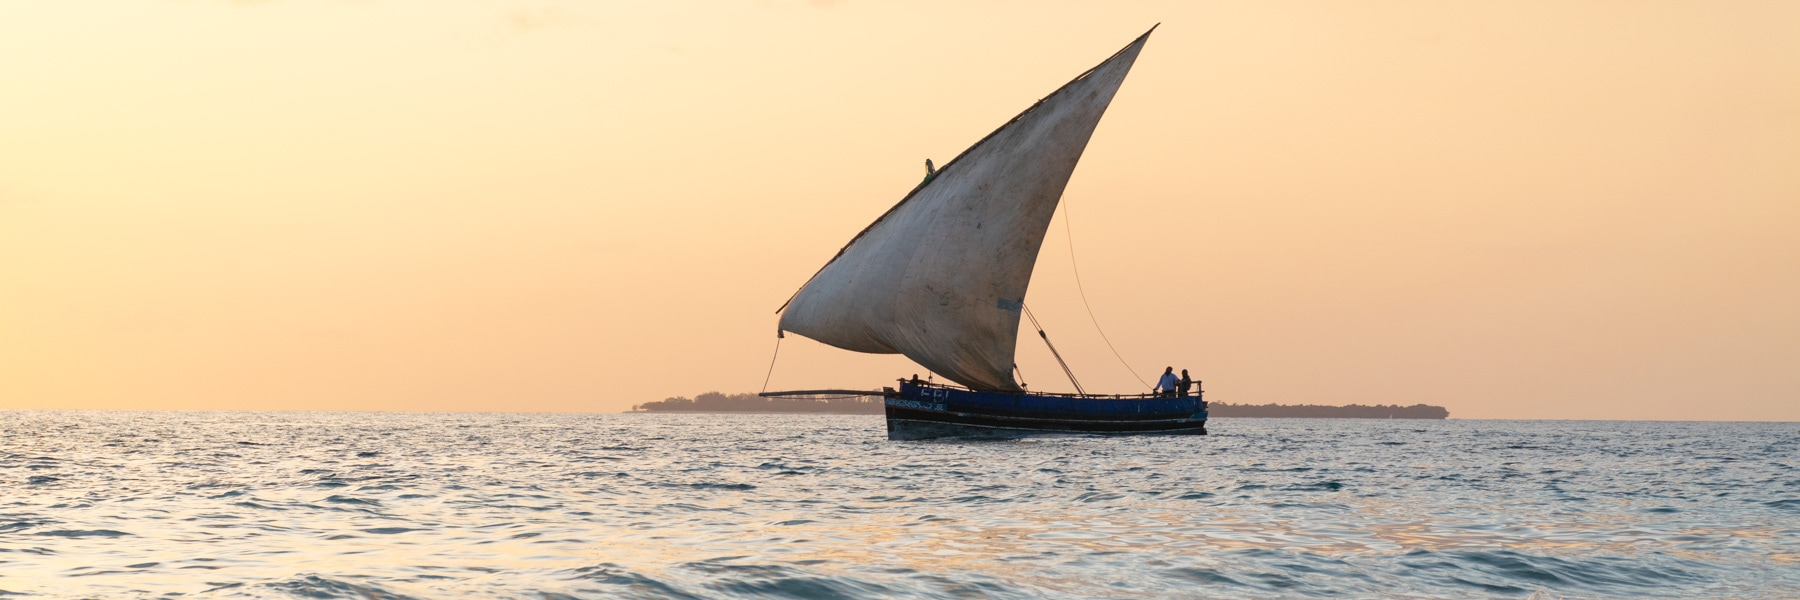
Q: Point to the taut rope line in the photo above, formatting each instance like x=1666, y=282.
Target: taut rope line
x=1070, y=232
x=1053, y=352
x=771, y=373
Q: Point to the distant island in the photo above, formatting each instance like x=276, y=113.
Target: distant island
x=867, y=405
x=1315, y=411
x=717, y=402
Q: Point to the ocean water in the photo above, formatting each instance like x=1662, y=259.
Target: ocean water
x=392, y=505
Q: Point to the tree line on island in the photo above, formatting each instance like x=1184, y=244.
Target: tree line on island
x=717, y=402
x=1317, y=411
x=872, y=405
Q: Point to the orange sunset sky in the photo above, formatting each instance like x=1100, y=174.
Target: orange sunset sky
x=1569, y=210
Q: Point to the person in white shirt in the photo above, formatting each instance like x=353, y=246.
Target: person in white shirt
x=1166, y=387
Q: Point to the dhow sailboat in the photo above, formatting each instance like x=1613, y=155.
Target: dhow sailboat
x=941, y=279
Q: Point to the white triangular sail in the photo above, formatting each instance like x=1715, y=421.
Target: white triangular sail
x=941, y=276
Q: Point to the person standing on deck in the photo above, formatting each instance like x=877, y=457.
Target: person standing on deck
x=1166, y=386
x=1186, y=383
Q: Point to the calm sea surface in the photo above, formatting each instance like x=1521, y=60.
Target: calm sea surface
x=385, y=505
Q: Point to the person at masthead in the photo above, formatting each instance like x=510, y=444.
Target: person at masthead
x=1166, y=386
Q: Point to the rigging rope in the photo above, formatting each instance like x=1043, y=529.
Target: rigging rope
x=1070, y=232
x=771, y=373
x=1053, y=352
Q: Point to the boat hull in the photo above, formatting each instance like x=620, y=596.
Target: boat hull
x=917, y=412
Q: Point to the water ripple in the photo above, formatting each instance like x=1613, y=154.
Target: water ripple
x=362, y=505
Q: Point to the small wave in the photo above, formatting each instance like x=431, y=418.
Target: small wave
x=631, y=582
x=1317, y=486
x=1266, y=581
x=1205, y=576
x=349, y=500
x=390, y=530
x=41, y=480
x=84, y=533
x=1516, y=572
x=1294, y=505
x=1098, y=497
x=314, y=586
x=1069, y=535
x=37, y=551
x=721, y=486
x=803, y=587
x=782, y=582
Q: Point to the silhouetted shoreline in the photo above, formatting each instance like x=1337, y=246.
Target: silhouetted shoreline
x=1315, y=411
x=864, y=405
x=717, y=402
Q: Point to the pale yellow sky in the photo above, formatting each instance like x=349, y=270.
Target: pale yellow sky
x=1515, y=210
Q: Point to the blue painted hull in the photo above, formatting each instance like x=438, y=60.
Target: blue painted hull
x=924, y=412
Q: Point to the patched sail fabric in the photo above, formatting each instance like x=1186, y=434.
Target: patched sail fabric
x=941, y=276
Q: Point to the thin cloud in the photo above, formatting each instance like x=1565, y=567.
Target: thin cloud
x=537, y=19
x=788, y=4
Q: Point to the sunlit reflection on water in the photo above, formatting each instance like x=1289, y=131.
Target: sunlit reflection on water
x=361, y=505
